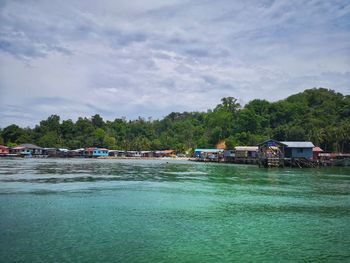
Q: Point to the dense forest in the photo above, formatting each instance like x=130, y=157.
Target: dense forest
x=318, y=115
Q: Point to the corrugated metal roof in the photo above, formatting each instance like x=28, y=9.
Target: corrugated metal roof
x=167, y=151
x=63, y=150
x=78, y=150
x=270, y=141
x=246, y=148
x=299, y=144
x=30, y=146
x=209, y=150
x=96, y=149
x=18, y=148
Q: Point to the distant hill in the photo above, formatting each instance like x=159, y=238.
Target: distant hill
x=319, y=115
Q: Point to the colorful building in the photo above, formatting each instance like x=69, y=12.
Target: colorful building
x=286, y=149
x=164, y=153
x=96, y=152
x=246, y=151
x=316, y=151
x=27, y=149
x=274, y=153
x=298, y=149
x=209, y=154
x=4, y=150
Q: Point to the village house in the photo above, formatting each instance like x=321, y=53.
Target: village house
x=51, y=152
x=209, y=154
x=4, y=150
x=134, y=154
x=246, y=151
x=337, y=159
x=76, y=153
x=229, y=155
x=298, y=149
x=246, y=154
x=164, y=153
x=96, y=152
x=278, y=153
x=27, y=149
x=316, y=152
x=117, y=153
x=146, y=154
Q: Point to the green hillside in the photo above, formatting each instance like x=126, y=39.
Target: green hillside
x=319, y=115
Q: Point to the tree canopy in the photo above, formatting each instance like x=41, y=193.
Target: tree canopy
x=319, y=115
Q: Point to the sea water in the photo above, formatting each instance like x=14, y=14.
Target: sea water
x=89, y=210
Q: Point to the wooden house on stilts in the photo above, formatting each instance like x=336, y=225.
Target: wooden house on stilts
x=274, y=153
x=271, y=154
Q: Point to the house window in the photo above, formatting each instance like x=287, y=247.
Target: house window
x=300, y=150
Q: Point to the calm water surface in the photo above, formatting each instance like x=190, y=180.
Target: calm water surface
x=55, y=210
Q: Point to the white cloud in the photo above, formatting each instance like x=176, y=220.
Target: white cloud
x=148, y=58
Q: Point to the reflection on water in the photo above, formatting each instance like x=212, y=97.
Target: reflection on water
x=159, y=211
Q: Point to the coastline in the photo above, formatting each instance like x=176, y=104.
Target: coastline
x=146, y=158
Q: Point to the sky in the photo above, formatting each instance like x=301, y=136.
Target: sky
x=151, y=57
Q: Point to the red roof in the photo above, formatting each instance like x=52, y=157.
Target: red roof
x=95, y=148
x=3, y=147
x=18, y=148
x=317, y=149
x=167, y=151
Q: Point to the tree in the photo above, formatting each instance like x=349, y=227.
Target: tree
x=97, y=121
x=229, y=104
x=52, y=123
x=319, y=115
x=99, y=136
x=296, y=133
x=12, y=133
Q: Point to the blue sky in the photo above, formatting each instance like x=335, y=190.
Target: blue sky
x=151, y=57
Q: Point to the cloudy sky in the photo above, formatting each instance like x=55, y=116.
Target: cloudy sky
x=150, y=57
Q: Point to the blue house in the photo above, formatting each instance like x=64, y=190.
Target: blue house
x=96, y=152
x=298, y=149
x=286, y=149
x=208, y=153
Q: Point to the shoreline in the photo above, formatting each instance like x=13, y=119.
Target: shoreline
x=99, y=158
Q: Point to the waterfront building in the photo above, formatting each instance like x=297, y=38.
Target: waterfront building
x=117, y=153
x=246, y=151
x=316, y=152
x=278, y=153
x=164, y=153
x=298, y=149
x=96, y=152
x=146, y=154
x=246, y=154
x=27, y=149
x=229, y=155
x=135, y=154
x=4, y=150
x=76, y=153
x=209, y=154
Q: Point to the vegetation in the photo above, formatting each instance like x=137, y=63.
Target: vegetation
x=319, y=115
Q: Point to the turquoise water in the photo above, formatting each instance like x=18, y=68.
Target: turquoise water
x=55, y=210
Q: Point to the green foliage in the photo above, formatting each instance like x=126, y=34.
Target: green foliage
x=13, y=134
x=319, y=115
